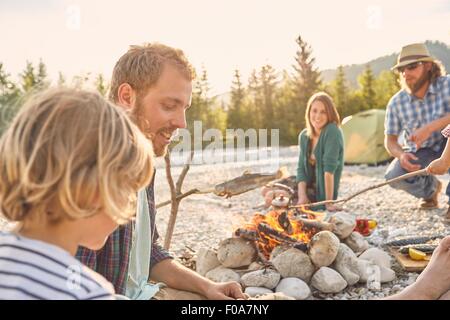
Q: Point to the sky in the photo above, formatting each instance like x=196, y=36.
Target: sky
x=79, y=36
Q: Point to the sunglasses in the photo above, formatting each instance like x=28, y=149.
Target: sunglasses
x=409, y=67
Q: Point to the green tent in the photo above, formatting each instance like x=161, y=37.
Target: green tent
x=364, y=138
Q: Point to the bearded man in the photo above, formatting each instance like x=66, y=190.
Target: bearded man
x=418, y=112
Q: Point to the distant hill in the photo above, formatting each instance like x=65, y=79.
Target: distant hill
x=437, y=49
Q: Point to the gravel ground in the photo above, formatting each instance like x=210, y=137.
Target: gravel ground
x=205, y=220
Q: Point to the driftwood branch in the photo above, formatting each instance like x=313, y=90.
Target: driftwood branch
x=403, y=177
x=175, y=196
x=184, y=172
x=183, y=195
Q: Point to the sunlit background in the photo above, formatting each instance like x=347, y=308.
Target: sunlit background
x=79, y=36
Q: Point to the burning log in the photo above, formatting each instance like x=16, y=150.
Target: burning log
x=284, y=222
x=280, y=237
x=247, y=234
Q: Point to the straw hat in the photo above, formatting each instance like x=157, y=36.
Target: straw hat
x=413, y=53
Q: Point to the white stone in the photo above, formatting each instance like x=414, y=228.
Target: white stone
x=357, y=242
x=365, y=269
x=346, y=263
x=372, y=274
x=236, y=252
x=277, y=250
x=267, y=278
x=344, y=224
x=294, y=263
x=328, y=280
x=377, y=256
x=323, y=248
x=256, y=291
x=222, y=274
x=386, y=275
x=206, y=260
x=294, y=287
x=273, y=296
x=254, y=266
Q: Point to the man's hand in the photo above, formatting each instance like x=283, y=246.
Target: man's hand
x=437, y=166
x=405, y=162
x=225, y=291
x=420, y=135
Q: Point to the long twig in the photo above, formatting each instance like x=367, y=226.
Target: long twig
x=403, y=177
x=184, y=195
x=174, y=202
x=184, y=172
x=175, y=196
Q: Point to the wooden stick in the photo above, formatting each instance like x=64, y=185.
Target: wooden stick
x=174, y=206
x=182, y=196
x=175, y=196
x=403, y=177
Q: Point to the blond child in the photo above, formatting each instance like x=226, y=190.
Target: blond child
x=70, y=166
x=442, y=164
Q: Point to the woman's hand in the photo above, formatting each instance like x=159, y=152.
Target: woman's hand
x=437, y=166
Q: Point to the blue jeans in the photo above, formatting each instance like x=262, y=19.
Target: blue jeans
x=419, y=186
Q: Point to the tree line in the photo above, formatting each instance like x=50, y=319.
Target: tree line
x=270, y=99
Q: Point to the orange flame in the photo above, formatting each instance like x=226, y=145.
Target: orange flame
x=266, y=242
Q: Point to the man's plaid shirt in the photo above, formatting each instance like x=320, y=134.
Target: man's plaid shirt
x=406, y=112
x=112, y=260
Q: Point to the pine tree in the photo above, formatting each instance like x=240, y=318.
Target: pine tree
x=306, y=78
x=61, y=80
x=41, y=76
x=386, y=85
x=339, y=90
x=10, y=96
x=254, y=119
x=28, y=78
x=367, y=88
x=286, y=113
x=268, y=86
x=101, y=85
x=236, y=115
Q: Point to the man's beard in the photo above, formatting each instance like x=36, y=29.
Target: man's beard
x=159, y=151
x=139, y=119
x=412, y=89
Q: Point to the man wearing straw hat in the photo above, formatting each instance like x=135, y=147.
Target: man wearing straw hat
x=418, y=112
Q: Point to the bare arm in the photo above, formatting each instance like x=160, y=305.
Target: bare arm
x=420, y=135
x=442, y=164
x=392, y=146
x=329, y=191
x=177, y=276
x=302, y=196
x=438, y=124
x=395, y=150
x=329, y=185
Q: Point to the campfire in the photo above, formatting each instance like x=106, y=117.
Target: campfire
x=294, y=228
x=296, y=252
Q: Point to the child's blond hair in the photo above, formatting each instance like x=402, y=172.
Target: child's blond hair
x=71, y=154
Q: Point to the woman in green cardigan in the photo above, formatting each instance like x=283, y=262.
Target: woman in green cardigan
x=321, y=156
